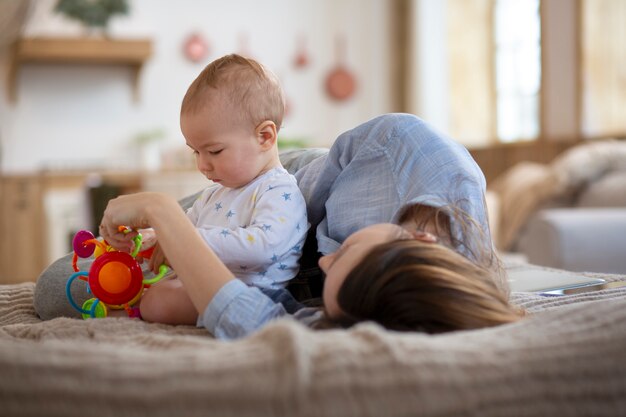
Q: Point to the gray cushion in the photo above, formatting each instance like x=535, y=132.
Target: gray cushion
x=589, y=239
x=608, y=191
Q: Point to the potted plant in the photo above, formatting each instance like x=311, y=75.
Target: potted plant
x=93, y=14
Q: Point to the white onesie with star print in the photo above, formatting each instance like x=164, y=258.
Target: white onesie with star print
x=257, y=230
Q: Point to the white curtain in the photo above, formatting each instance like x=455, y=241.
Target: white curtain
x=604, y=67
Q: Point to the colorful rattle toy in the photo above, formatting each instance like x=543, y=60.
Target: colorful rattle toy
x=115, y=278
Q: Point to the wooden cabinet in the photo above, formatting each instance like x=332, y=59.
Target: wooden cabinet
x=21, y=229
x=24, y=250
x=98, y=51
x=27, y=228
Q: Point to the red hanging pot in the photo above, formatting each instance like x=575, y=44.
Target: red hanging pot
x=301, y=60
x=195, y=48
x=340, y=82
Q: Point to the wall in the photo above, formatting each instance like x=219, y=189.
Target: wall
x=428, y=73
x=560, y=75
x=75, y=116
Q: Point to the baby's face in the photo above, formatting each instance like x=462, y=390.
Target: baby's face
x=226, y=153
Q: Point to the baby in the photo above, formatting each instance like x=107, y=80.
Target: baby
x=253, y=215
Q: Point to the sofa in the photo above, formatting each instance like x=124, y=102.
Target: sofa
x=568, y=214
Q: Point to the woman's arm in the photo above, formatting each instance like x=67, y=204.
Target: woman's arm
x=200, y=270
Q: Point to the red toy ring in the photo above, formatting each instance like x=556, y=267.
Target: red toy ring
x=115, y=278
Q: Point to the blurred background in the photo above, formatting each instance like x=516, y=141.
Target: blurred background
x=91, y=90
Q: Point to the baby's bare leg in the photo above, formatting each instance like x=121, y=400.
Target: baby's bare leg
x=167, y=302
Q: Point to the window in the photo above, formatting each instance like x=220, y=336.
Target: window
x=470, y=72
x=517, y=39
x=477, y=68
x=603, y=55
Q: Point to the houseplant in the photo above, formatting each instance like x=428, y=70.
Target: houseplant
x=93, y=14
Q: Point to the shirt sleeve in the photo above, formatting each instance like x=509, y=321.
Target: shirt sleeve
x=238, y=310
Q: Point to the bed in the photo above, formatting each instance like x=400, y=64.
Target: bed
x=567, y=358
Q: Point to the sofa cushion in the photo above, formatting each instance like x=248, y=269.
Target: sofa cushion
x=608, y=191
x=583, y=239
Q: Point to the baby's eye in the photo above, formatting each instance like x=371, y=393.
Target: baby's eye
x=215, y=152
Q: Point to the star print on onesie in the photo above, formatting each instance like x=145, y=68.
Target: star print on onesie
x=257, y=230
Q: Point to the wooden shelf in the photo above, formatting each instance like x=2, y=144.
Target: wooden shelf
x=92, y=51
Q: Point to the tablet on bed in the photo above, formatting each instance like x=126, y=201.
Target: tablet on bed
x=547, y=280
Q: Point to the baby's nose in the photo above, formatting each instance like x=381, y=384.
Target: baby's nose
x=204, y=165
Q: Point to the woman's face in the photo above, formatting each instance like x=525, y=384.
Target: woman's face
x=339, y=264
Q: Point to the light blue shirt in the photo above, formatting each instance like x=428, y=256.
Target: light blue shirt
x=370, y=175
x=238, y=310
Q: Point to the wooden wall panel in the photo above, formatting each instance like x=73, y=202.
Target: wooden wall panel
x=496, y=159
x=22, y=234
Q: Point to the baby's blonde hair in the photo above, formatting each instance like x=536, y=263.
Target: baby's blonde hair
x=251, y=92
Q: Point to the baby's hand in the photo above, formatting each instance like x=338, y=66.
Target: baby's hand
x=157, y=259
x=121, y=240
x=148, y=238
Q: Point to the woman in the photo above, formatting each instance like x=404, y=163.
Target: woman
x=433, y=270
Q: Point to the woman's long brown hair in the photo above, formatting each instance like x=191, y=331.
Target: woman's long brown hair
x=409, y=285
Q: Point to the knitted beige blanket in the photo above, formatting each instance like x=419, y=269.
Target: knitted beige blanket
x=567, y=358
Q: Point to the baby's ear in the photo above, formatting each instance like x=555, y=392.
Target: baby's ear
x=267, y=134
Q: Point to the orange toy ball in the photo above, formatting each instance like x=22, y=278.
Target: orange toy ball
x=115, y=277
